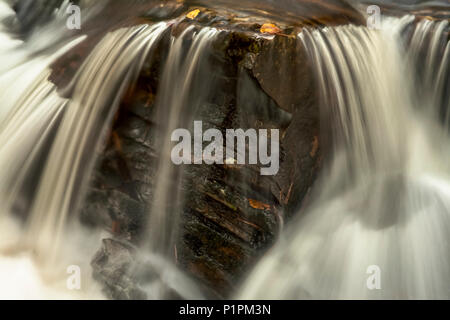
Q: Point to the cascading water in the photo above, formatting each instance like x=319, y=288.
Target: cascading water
x=429, y=44
x=59, y=136
x=384, y=198
x=176, y=111
x=184, y=76
x=54, y=140
x=118, y=59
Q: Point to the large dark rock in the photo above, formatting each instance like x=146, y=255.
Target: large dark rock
x=230, y=214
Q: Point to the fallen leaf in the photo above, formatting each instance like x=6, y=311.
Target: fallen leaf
x=193, y=14
x=258, y=204
x=270, y=28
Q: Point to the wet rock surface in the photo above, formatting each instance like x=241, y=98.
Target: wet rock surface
x=112, y=265
x=230, y=214
x=290, y=12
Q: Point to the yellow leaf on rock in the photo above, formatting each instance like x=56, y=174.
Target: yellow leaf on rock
x=193, y=14
x=270, y=28
x=258, y=205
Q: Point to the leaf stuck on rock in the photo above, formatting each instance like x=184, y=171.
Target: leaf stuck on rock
x=270, y=28
x=193, y=14
x=258, y=204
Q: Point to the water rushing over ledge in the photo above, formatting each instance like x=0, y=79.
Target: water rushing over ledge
x=87, y=181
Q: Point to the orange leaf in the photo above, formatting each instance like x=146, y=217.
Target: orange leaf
x=193, y=14
x=258, y=205
x=270, y=28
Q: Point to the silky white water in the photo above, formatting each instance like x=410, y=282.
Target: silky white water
x=173, y=109
x=177, y=104
x=381, y=203
x=431, y=50
x=383, y=200
x=53, y=140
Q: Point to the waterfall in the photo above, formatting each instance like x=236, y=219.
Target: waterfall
x=184, y=85
x=175, y=111
x=50, y=139
x=97, y=90
x=381, y=205
x=429, y=44
x=383, y=200
x=53, y=141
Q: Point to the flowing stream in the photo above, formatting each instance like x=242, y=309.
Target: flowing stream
x=58, y=139
x=382, y=201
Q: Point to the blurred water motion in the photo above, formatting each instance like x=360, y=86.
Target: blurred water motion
x=384, y=197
